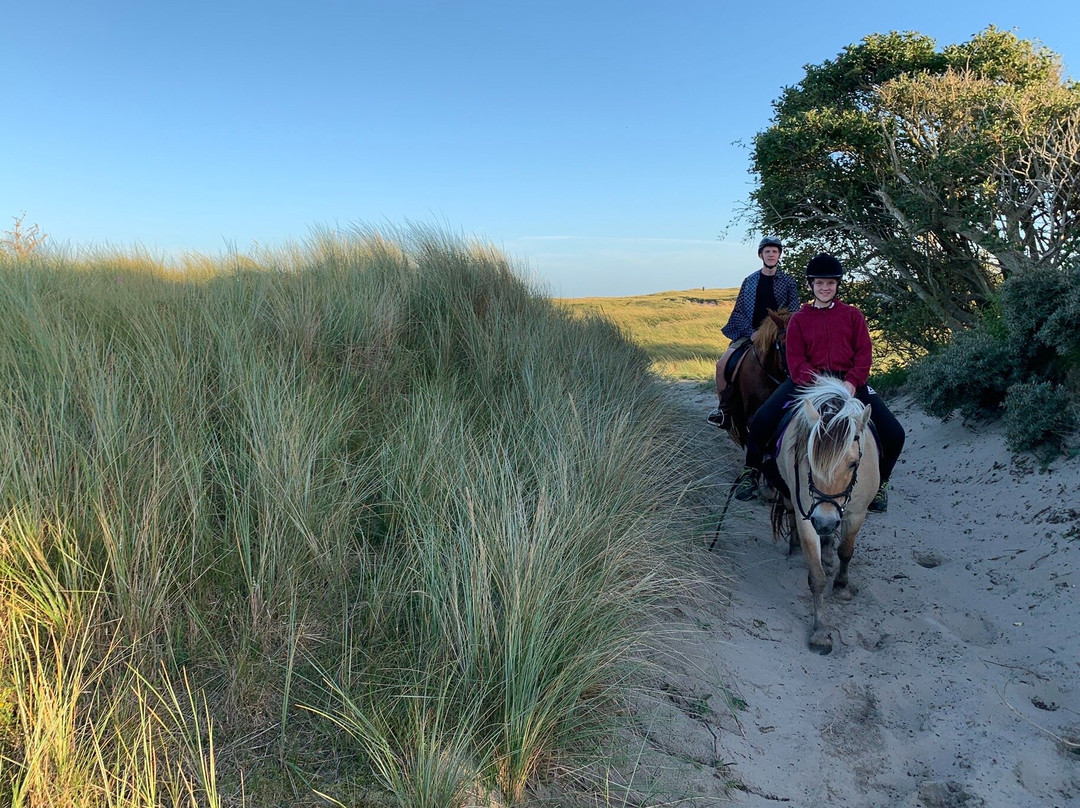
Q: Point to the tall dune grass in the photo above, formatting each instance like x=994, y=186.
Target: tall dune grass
x=364, y=516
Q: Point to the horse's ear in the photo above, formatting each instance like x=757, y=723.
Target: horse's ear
x=775, y=317
x=864, y=416
x=812, y=415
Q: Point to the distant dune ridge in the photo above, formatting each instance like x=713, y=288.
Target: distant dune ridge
x=679, y=330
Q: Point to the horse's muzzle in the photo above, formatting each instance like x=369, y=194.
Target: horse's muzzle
x=825, y=522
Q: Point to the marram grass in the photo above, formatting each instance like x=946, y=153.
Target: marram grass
x=362, y=520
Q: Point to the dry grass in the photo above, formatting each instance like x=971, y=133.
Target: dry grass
x=680, y=331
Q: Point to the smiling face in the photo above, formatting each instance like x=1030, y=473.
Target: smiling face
x=824, y=290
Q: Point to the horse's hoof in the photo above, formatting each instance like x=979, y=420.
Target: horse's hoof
x=845, y=592
x=821, y=642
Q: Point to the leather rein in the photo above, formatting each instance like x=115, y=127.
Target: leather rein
x=780, y=349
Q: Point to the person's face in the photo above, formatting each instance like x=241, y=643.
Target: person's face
x=824, y=289
x=770, y=256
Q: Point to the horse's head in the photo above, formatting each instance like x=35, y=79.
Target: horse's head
x=834, y=423
x=770, y=340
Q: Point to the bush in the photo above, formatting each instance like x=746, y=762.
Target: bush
x=1035, y=418
x=1041, y=312
x=971, y=374
x=1024, y=356
x=1025, y=299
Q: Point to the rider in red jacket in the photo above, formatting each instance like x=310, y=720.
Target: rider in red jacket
x=825, y=337
x=833, y=339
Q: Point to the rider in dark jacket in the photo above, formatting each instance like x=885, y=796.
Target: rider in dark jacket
x=768, y=288
x=825, y=337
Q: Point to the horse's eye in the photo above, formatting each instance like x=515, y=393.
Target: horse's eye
x=854, y=464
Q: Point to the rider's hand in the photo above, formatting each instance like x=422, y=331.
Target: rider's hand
x=850, y=387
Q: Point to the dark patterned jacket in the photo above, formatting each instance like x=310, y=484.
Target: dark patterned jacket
x=740, y=323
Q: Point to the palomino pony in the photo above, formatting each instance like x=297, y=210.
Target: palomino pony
x=829, y=460
x=760, y=371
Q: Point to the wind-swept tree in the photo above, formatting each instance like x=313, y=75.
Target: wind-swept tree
x=934, y=174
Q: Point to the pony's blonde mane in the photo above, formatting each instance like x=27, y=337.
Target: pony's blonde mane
x=767, y=333
x=827, y=439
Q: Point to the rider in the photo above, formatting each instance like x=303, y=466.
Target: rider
x=768, y=288
x=825, y=336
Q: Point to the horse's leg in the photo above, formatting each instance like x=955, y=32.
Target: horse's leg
x=792, y=533
x=820, y=638
x=842, y=588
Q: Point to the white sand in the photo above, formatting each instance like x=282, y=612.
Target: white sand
x=955, y=674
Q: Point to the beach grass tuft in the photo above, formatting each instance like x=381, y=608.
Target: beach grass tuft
x=364, y=516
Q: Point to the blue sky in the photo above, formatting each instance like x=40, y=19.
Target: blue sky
x=602, y=144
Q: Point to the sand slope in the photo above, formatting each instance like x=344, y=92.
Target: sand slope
x=955, y=674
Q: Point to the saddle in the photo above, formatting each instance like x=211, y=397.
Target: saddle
x=736, y=358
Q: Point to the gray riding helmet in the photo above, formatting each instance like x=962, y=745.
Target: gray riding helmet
x=769, y=241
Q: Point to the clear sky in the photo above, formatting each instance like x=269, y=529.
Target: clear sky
x=602, y=144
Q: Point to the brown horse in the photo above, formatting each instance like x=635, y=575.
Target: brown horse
x=760, y=371
x=829, y=461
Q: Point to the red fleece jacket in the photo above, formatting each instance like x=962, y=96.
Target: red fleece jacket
x=835, y=339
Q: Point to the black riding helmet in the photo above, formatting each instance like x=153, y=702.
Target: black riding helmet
x=824, y=265
x=769, y=241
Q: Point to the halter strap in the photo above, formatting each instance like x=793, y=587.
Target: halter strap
x=818, y=496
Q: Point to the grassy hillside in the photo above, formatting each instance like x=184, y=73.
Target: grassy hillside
x=680, y=331
x=367, y=519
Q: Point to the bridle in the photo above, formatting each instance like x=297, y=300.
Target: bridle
x=819, y=497
x=781, y=348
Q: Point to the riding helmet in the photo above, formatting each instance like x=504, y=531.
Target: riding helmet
x=769, y=241
x=824, y=265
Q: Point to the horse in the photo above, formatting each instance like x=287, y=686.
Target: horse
x=828, y=458
x=760, y=371
x=756, y=376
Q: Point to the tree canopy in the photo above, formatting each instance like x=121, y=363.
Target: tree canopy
x=935, y=174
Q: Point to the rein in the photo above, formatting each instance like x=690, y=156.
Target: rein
x=779, y=347
x=819, y=497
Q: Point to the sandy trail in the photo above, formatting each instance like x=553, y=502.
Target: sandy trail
x=955, y=680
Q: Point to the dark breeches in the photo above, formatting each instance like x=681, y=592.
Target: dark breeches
x=890, y=434
x=762, y=426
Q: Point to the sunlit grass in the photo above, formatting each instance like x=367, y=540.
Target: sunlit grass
x=680, y=331
x=366, y=513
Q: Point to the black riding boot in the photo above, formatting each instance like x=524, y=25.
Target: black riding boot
x=721, y=416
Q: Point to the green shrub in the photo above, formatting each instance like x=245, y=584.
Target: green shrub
x=1041, y=311
x=1038, y=417
x=971, y=374
x=1025, y=299
x=1022, y=359
x=1061, y=330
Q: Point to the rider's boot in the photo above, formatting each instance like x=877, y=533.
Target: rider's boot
x=721, y=416
x=880, y=503
x=746, y=487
